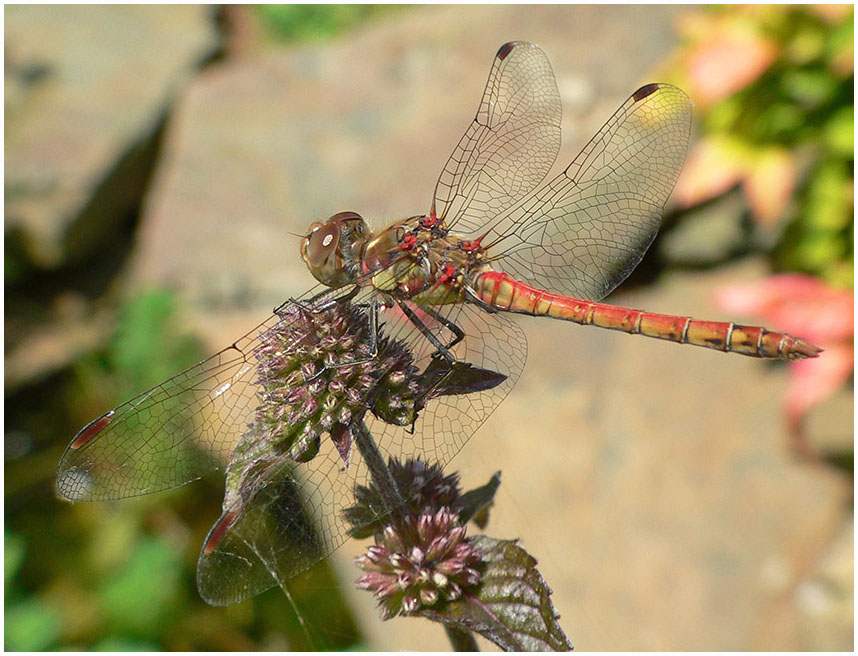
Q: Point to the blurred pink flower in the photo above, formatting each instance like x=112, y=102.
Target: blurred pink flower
x=717, y=163
x=728, y=54
x=714, y=165
x=809, y=308
x=769, y=183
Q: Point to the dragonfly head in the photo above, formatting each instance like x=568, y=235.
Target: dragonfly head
x=333, y=249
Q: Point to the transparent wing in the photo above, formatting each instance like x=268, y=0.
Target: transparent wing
x=509, y=147
x=171, y=434
x=586, y=230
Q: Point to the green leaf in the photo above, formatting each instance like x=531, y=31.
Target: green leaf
x=13, y=555
x=839, y=132
x=511, y=606
x=139, y=598
x=30, y=626
x=474, y=504
x=460, y=378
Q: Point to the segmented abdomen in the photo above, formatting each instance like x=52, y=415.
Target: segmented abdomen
x=505, y=293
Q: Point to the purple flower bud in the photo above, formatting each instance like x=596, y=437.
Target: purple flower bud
x=450, y=566
x=453, y=592
x=439, y=579
x=330, y=402
x=410, y=603
x=405, y=580
x=423, y=575
x=327, y=343
x=308, y=370
x=398, y=561
x=309, y=406
x=416, y=555
x=429, y=596
x=368, y=581
x=471, y=576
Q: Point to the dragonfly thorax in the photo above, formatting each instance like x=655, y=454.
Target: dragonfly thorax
x=419, y=259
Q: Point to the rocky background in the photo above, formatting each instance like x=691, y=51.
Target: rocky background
x=182, y=148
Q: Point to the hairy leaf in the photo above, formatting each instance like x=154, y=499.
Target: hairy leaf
x=511, y=607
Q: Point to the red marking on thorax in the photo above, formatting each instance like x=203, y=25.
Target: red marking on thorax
x=471, y=246
x=429, y=222
x=448, y=273
x=409, y=241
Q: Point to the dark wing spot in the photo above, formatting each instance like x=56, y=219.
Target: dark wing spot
x=218, y=531
x=645, y=91
x=504, y=50
x=92, y=429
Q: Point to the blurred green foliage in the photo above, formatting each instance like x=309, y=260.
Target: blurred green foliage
x=802, y=101
x=306, y=22
x=30, y=624
x=147, y=610
x=148, y=346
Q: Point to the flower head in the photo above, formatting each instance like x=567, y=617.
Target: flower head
x=304, y=393
x=319, y=372
x=423, y=486
x=419, y=562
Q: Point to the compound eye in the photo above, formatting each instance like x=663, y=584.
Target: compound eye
x=352, y=219
x=322, y=241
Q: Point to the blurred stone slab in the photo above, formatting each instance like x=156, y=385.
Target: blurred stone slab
x=85, y=87
x=826, y=600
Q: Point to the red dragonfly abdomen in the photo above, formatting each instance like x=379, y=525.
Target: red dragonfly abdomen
x=505, y=293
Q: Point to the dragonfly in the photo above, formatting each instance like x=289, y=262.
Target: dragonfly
x=430, y=297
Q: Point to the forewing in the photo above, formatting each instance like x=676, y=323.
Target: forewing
x=587, y=229
x=509, y=147
x=169, y=435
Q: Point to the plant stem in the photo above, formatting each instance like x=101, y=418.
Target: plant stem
x=378, y=469
x=461, y=640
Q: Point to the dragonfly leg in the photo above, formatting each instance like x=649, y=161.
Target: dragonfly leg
x=476, y=300
x=449, y=325
x=440, y=349
x=373, y=344
x=312, y=304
